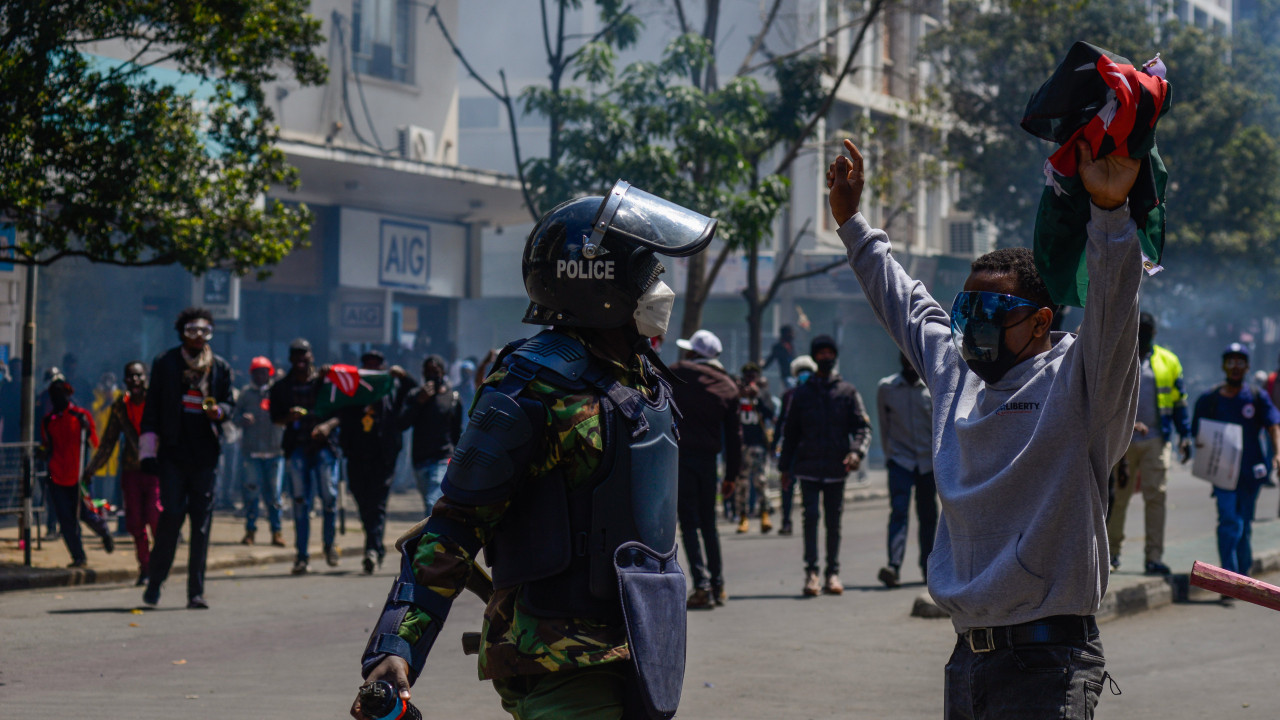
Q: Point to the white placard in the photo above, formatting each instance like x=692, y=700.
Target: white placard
x=1219, y=446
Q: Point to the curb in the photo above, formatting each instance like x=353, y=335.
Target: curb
x=25, y=578
x=1155, y=592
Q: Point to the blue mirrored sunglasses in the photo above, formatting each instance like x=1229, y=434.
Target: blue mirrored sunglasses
x=977, y=319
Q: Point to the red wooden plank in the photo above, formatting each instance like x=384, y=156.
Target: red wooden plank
x=1241, y=587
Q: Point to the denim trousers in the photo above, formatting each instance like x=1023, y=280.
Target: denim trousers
x=825, y=500
x=1029, y=682
x=1235, y=526
x=311, y=474
x=430, y=476
x=901, y=482
x=263, y=478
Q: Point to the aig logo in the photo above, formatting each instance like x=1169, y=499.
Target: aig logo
x=585, y=269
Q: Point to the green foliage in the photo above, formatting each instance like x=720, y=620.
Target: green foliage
x=102, y=160
x=1218, y=140
x=699, y=148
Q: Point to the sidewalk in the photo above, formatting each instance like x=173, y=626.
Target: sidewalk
x=49, y=563
x=1190, y=538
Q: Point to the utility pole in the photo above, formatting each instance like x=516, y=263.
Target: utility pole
x=28, y=420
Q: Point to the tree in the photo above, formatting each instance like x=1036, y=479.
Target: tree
x=1218, y=141
x=107, y=160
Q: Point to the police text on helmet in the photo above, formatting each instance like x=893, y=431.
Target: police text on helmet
x=585, y=269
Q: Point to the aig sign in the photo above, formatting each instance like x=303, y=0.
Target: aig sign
x=404, y=255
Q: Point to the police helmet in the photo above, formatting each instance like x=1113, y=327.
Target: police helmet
x=588, y=260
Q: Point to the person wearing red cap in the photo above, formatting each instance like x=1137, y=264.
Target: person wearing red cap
x=260, y=452
x=141, y=490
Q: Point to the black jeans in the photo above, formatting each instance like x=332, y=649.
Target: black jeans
x=71, y=508
x=830, y=495
x=697, y=510
x=1029, y=682
x=370, y=483
x=185, y=491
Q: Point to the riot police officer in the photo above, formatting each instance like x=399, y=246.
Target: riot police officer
x=566, y=477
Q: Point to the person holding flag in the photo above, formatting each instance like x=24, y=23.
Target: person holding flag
x=371, y=437
x=310, y=450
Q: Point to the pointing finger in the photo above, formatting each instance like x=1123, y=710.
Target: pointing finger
x=853, y=151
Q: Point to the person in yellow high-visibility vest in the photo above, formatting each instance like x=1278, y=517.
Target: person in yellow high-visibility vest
x=1162, y=410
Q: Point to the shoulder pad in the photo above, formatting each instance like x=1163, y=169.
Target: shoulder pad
x=557, y=353
x=492, y=450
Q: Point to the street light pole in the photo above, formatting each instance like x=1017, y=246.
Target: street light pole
x=28, y=420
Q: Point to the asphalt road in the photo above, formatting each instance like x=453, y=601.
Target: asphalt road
x=276, y=646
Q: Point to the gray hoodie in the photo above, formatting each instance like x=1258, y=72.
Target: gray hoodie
x=1021, y=465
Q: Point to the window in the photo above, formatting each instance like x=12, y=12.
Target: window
x=382, y=37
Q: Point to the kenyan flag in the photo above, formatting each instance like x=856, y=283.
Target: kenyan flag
x=347, y=385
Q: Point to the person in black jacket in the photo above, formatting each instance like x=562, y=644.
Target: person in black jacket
x=435, y=413
x=826, y=437
x=371, y=439
x=708, y=403
x=179, y=441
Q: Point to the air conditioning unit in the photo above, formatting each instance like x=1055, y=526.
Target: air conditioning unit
x=417, y=143
x=968, y=236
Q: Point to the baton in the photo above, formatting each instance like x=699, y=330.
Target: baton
x=1241, y=587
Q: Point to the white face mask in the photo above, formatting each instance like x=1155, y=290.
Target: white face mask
x=653, y=309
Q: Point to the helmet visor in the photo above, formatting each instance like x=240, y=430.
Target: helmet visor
x=978, y=320
x=651, y=221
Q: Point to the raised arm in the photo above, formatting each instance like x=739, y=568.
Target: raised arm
x=916, y=322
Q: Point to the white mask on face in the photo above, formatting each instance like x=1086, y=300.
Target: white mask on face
x=653, y=309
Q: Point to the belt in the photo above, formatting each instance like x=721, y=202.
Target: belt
x=1054, y=630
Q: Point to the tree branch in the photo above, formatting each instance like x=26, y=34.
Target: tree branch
x=515, y=146
x=781, y=267
x=801, y=50
x=710, y=277
x=684, y=22
x=758, y=41
x=604, y=31
x=810, y=273
x=503, y=96
x=546, y=30
x=876, y=7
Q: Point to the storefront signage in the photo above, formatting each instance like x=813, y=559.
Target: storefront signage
x=360, y=314
x=405, y=253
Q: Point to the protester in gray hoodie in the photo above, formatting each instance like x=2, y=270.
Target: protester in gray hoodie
x=1027, y=424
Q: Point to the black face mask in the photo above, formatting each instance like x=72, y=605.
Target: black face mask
x=825, y=366
x=992, y=370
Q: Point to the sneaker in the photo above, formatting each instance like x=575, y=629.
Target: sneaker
x=248, y=537
x=833, y=586
x=78, y=563
x=1156, y=568
x=744, y=524
x=277, y=538
x=370, y=559
x=197, y=603
x=301, y=567
x=331, y=555
x=786, y=528
x=1115, y=563
x=700, y=600
x=811, y=584
x=108, y=543
x=718, y=595
x=889, y=576
x=765, y=525
x=151, y=596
